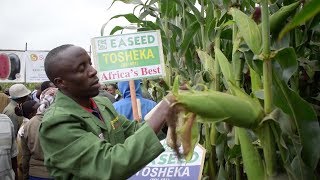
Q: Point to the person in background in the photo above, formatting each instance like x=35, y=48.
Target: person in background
x=6, y=91
x=4, y=100
x=81, y=134
x=124, y=106
x=26, y=110
x=32, y=156
x=18, y=95
x=45, y=85
x=103, y=92
x=112, y=89
x=36, y=93
x=8, y=149
x=39, y=88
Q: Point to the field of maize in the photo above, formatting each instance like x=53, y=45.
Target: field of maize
x=251, y=70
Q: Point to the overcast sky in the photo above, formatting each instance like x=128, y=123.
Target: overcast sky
x=45, y=24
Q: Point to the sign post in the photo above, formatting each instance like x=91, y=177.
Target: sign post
x=134, y=101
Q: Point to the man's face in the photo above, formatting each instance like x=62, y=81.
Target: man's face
x=77, y=78
x=111, y=90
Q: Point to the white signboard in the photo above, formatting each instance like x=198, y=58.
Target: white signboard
x=128, y=56
x=12, y=66
x=35, y=66
x=168, y=167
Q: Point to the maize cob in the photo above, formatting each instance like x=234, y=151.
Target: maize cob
x=216, y=106
x=209, y=106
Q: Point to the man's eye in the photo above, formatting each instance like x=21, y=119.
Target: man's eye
x=81, y=68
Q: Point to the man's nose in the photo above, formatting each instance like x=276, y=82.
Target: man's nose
x=92, y=71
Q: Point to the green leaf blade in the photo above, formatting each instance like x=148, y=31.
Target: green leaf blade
x=303, y=116
x=309, y=10
x=249, y=30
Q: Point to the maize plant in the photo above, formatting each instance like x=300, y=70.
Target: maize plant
x=252, y=72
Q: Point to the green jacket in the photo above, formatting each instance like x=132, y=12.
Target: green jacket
x=77, y=145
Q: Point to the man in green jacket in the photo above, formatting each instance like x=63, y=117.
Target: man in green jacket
x=81, y=135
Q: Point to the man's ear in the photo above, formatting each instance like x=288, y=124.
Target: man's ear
x=59, y=83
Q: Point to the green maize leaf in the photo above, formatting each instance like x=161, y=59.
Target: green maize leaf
x=221, y=147
x=114, y=30
x=308, y=11
x=237, y=64
x=234, y=152
x=303, y=115
x=151, y=25
x=222, y=175
x=287, y=59
x=190, y=18
x=236, y=44
x=195, y=11
x=225, y=66
x=282, y=131
x=190, y=33
x=226, y=34
x=130, y=17
x=254, y=64
x=256, y=83
x=249, y=30
x=210, y=21
x=168, y=9
x=190, y=61
x=288, y=2
x=205, y=2
x=282, y=43
x=153, y=2
x=315, y=22
x=317, y=97
x=213, y=134
x=300, y=170
x=175, y=87
x=251, y=159
x=175, y=30
x=278, y=18
x=272, y=1
x=207, y=61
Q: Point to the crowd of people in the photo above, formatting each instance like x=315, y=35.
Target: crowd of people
x=88, y=132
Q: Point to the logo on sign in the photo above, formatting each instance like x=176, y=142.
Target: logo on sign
x=102, y=44
x=33, y=57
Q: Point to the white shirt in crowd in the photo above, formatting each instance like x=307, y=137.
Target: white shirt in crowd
x=8, y=148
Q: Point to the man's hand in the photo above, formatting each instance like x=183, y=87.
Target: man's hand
x=157, y=117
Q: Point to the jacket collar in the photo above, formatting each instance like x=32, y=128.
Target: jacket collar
x=69, y=104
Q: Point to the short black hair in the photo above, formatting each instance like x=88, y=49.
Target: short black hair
x=45, y=85
x=26, y=108
x=52, y=60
